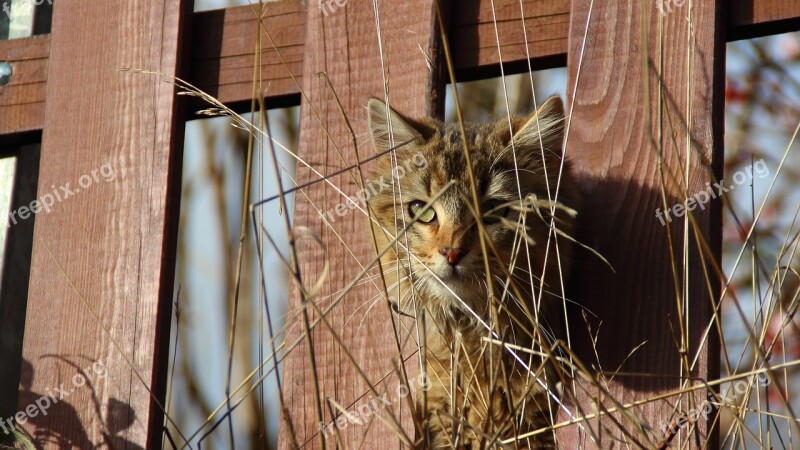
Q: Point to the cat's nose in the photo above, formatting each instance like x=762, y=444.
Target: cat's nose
x=454, y=254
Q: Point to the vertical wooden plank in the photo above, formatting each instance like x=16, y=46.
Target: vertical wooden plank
x=361, y=49
x=644, y=85
x=103, y=258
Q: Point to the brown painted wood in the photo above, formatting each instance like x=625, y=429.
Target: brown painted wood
x=753, y=18
x=615, y=149
x=22, y=100
x=223, y=46
x=120, y=261
x=474, y=36
x=223, y=50
x=345, y=46
x=112, y=243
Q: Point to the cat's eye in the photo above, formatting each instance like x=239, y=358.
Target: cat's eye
x=493, y=211
x=418, y=211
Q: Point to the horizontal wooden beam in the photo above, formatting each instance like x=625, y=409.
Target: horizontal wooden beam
x=223, y=49
x=223, y=53
x=22, y=99
x=476, y=28
x=753, y=18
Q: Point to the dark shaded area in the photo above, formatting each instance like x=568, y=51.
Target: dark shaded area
x=512, y=68
x=5, y=22
x=631, y=310
x=53, y=421
x=644, y=310
x=43, y=18
x=158, y=382
x=243, y=107
x=740, y=22
x=119, y=417
x=15, y=276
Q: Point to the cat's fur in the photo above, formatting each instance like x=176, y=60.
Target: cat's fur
x=458, y=357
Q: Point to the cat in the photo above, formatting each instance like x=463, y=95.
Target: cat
x=435, y=263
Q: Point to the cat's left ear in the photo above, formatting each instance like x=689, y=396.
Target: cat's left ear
x=402, y=128
x=544, y=126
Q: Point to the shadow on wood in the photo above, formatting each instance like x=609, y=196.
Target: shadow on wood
x=50, y=413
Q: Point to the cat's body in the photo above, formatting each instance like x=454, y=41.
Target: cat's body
x=481, y=393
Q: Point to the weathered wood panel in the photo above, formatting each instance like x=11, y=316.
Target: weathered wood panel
x=753, y=18
x=347, y=45
x=103, y=258
x=477, y=26
x=224, y=45
x=22, y=99
x=645, y=91
x=92, y=117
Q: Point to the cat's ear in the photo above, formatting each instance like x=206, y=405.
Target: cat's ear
x=544, y=126
x=402, y=128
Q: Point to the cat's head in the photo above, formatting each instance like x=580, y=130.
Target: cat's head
x=431, y=198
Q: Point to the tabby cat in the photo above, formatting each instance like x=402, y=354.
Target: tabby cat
x=482, y=393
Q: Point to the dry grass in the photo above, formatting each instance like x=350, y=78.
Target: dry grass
x=759, y=299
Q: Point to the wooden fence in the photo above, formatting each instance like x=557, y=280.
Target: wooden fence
x=639, y=81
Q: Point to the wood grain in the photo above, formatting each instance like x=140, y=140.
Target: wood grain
x=223, y=51
x=22, y=101
x=223, y=46
x=114, y=241
x=641, y=91
x=346, y=47
x=103, y=258
x=474, y=36
x=753, y=18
